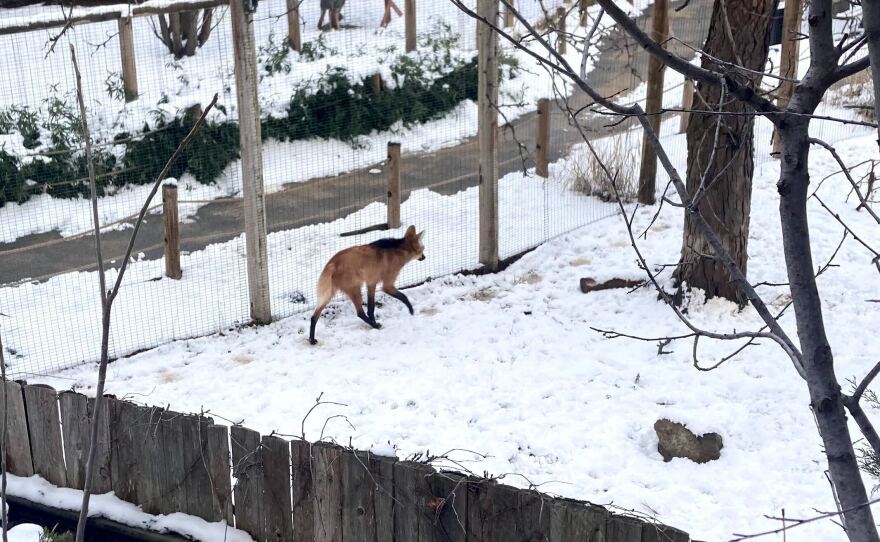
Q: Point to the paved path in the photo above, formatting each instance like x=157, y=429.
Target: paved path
x=320, y=200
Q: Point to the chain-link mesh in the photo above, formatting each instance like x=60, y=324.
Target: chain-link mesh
x=329, y=111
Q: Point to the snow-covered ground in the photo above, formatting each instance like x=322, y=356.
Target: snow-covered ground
x=507, y=365
x=36, y=489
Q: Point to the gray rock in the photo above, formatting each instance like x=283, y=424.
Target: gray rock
x=676, y=440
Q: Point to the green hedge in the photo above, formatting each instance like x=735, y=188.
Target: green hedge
x=339, y=109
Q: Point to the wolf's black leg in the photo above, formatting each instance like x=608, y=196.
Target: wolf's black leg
x=371, y=302
x=397, y=294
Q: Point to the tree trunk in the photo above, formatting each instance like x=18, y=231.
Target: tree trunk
x=825, y=395
x=719, y=169
x=184, y=32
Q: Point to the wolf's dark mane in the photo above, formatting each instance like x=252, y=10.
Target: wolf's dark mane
x=388, y=243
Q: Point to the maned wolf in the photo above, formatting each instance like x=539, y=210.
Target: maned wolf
x=380, y=261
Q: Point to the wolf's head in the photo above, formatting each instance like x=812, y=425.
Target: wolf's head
x=413, y=244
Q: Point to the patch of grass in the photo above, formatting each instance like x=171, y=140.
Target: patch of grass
x=584, y=172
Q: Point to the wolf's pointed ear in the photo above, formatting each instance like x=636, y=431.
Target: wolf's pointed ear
x=421, y=235
x=411, y=232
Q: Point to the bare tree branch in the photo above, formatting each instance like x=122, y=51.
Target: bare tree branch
x=863, y=202
x=107, y=297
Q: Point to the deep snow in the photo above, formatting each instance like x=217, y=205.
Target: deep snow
x=506, y=365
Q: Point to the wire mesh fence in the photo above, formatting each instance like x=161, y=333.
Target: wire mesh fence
x=334, y=105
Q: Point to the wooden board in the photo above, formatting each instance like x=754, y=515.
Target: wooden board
x=429, y=506
x=196, y=482
x=412, y=502
x=367, y=486
x=497, y=513
x=44, y=430
x=449, y=492
x=623, y=529
x=655, y=532
x=219, y=470
x=327, y=473
x=573, y=520
x=130, y=472
x=76, y=414
x=248, y=488
x=18, y=452
x=275, y=456
x=532, y=516
x=303, y=502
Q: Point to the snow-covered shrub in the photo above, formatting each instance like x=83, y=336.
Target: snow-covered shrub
x=583, y=172
x=45, y=151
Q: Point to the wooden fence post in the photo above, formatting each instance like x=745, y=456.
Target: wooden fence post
x=487, y=133
x=293, y=29
x=583, y=5
x=687, y=103
x=653, y=103
x=788, y=61
x=377, y=84
x=561, y=42
x=129, y=66
x=393, y=201
x=508, y=14
x=251, y=159
x=44, y=429
x=542, y=145
x=409, y=15
x=172, y=231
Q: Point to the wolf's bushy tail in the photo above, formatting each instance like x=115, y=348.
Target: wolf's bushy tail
x=325, y=285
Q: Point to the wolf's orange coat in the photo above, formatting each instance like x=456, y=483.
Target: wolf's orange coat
x=380, y=261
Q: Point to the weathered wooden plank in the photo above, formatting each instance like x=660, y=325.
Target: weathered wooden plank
x=128, y=429
x=248, y=488
x=44, y=430
x=367, y=486
x=197, y=484
x=382, y=469
x=655, y=532
x=157, y=455
x=429, y=506
x=327, y=473
x=412, y=520
x=275, y=455
x=532, y=516
x=572, y=520
x=623, y=529
x=18, y=449
x=448, y=506
x=303, y=503
x=219, y=468
x=499, y=513
x=76, y=415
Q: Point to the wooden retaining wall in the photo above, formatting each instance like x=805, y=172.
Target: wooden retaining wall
x=287, y=490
